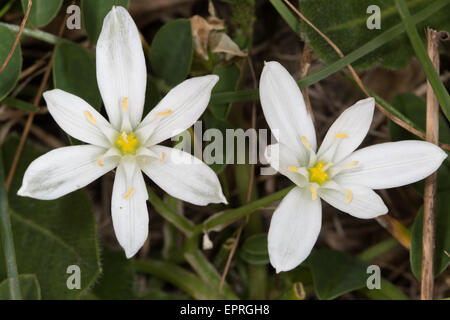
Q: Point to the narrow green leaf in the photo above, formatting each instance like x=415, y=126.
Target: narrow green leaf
x=34, y=33
x=10, y=75
x=29, y=285
x=93, y=13
x=19, y=104
x=254, y=249
x=287, y=15
x=42, y=11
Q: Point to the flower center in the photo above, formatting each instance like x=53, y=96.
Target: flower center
x=318, y=173
x=127, y=143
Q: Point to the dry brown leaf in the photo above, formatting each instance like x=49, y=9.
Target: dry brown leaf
x=220, y=42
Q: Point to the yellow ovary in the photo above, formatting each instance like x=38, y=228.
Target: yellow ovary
x=127, y=143
x=318, y=173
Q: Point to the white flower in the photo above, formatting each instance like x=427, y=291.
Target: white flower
x=126, y=144
x=335, y=173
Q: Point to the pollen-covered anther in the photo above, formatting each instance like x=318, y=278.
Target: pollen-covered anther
x=125, y=104
x=292, y=168
x=164, y=113
x=313, y=193
x=341, y=135
x=351, y=164
x=305, y=142
x=129, y=194
x=163, y=157
x=349, y=196
x=99, y=160
x=90, y=117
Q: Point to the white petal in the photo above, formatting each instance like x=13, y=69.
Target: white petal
x=392, y=164
x=121, y=70
x=281, y=158
x=354, y=122
x=284, y=107
x=183, y=176
x=178, y=110
x=76, y=117
x=129, y=207
x=64, y=170
x=294, y=229
x=358, y=201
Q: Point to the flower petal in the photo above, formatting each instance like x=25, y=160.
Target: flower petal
x=76, y=117
x=392, y=164
x=129, y=207
x=183, y=176
x=349, y=130
x=64, y=170
x=282, y=159
x=284, y=107
x=294, y=229
x=121, y=70
x=358, y=201
x=178, y=110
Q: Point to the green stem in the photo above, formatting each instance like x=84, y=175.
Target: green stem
x=224, y=218
x=432, y=75
x=35, y=33
x=385, y=37
x=7, y=239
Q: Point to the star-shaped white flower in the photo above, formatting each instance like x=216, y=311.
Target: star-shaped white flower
x=336, y=173
x=126, y=143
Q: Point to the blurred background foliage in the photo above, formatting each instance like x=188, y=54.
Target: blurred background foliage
x=230, y=38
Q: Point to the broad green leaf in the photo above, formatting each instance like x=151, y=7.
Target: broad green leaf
x=336, y=273
x=116, y=280
x=94, y=12
x=414, y=108
x=50, y=236
x=74, y=72
x=228, y=81
x=254, y=249
x=441, y=253
x=42, y=11
x=29, y=286
x=172, y=50
x=10, y=75
x=344, y=22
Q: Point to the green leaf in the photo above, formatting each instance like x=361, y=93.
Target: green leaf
x=74, y=72
x=344, y=22
x=336, y=273
x=10, y=75
x=152, y=96
x=19, y=104
x=442, y=222
x=116, y=281
x=229, y=77
x=42, y=11
x=254, y=249
x=29, y=286
x=172, y=50
x=93, y=13
x=50, y=236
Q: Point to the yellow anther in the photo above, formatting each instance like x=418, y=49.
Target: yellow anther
x=164, y=113
x=351, y=164
x=349, y=196
x=128, y=194
x=163, y=157
x=99, y=161
x=305, y=142
x=313, y=193
x=318, y=173
x=90, y=117
x=127, y=143
x=341, y=135
x=125, y=104
x=292, y=168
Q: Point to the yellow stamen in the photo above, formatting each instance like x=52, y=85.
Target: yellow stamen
x=127, y=143
x=99, y=161
x=318, y=173
x=90, y=117
x=163, y=157
x=349, y=196
x=292, y=168
x=313, y=193
x=351, y=164
x=164, y=113
x=341, y=135
x=305, y=142
x=129, y=193
x=328, y=165
x=125, y=104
